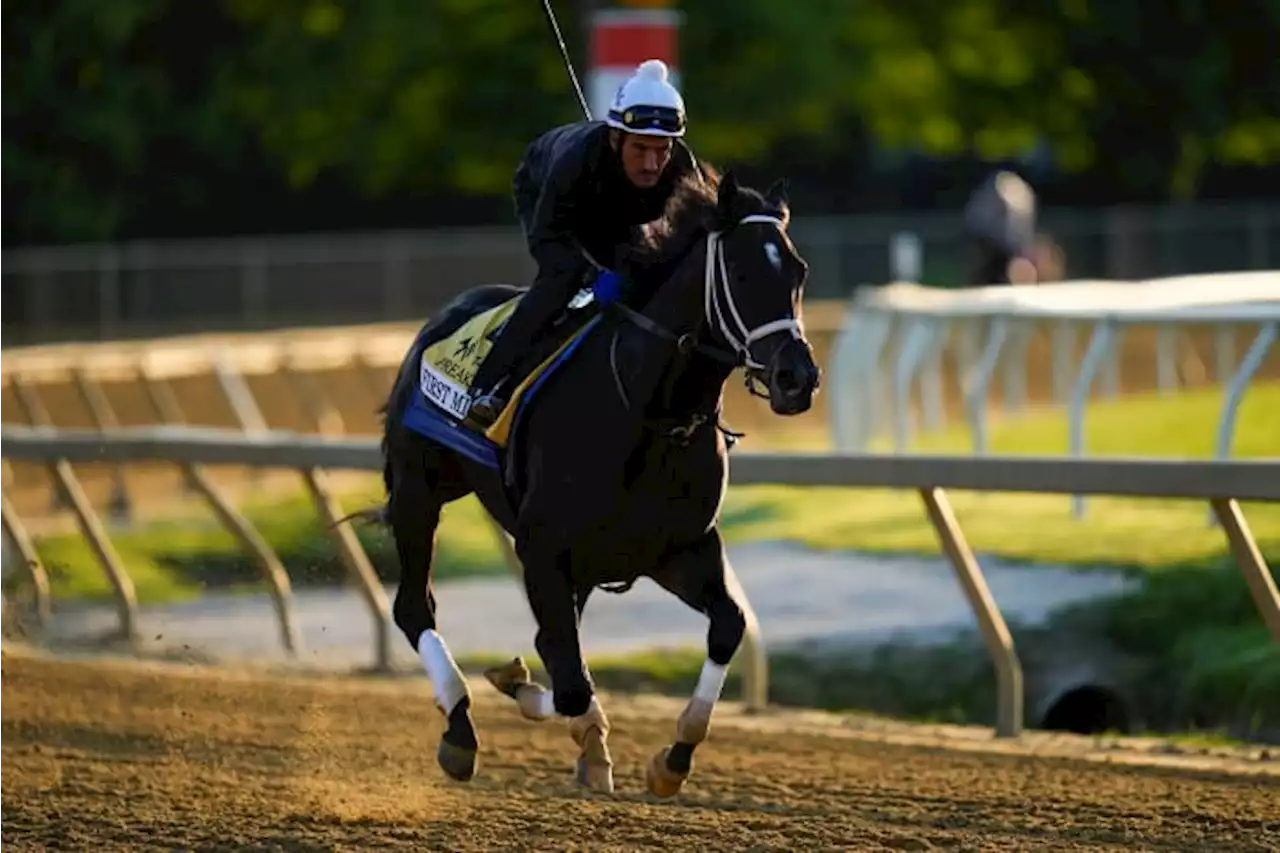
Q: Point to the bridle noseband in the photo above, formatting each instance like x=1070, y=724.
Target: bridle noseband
x=721, y=311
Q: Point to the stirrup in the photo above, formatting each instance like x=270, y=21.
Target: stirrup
x=484, y=410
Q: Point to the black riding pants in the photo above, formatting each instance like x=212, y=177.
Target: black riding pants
x=537, y=308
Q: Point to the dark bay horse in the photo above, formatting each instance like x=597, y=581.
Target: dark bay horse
x=617, y=469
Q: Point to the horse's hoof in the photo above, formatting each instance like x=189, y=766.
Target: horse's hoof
x=457, y=762
x=595, y=777
x=508, y=677
x=458, y=743
x=661, y=779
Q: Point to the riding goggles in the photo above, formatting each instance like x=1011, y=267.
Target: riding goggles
x=640, y=118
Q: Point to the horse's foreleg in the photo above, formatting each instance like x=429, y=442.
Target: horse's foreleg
x=552, y=599
x=589, y=730
x=414, y=509
x=513, y=679
x=697, y=576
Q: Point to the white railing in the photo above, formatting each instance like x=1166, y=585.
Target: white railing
x=893, y=338
x=1221, y=483
x=370, y=353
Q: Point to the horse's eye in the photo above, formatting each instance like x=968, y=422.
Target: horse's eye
x=774, y=255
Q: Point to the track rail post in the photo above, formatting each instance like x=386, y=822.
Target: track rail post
x=1256, y=574
x=165, y=404
x=104, y=418
x=359, y=569
x=1009, y=701
x=72, y=493
x=21, y=540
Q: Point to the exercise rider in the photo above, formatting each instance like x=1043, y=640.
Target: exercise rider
x=579, y=192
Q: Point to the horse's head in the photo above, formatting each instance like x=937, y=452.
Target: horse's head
x=754, y=286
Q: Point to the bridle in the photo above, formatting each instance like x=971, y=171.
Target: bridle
x=721, y=311
x=737, y=336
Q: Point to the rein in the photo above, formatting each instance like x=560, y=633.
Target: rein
x=721, y=310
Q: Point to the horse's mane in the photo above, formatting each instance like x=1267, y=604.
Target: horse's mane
x=691, y=211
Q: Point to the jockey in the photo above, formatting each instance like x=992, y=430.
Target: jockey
x=579, y=193
x=1000, y=222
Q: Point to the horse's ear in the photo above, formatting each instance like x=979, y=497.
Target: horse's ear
x=776, y=195
x=726, y=192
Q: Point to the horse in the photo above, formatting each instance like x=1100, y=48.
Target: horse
x=617, y=468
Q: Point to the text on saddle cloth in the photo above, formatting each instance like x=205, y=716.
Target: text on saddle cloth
x=449, y=366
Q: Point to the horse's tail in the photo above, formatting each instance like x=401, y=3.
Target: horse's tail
x=381, y=513
x=390, y=411
x=373, y=515
x=450, y=318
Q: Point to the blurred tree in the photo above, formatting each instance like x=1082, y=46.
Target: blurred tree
x=398, y=95
x=1142, y=94
x=127, y=116
x=108, y=111
x=1179, y=85
x=980, y=77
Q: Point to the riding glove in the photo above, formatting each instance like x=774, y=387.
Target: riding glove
x=607, y=287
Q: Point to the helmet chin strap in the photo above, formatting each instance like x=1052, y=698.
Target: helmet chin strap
x=721, y=308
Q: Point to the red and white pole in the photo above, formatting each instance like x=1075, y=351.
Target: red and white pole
x=621, y=39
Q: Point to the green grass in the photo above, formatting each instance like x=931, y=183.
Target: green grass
x=174, y=560
x=1141, y=533
x=177, y=560
x=959, y=691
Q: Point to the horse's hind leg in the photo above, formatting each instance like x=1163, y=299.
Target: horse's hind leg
x=421, y=480
x=698, y=577
x=514, y=679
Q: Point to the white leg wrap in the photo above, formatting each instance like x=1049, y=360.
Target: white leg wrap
x=447, y=680
x=546, y=704
x=711, y=682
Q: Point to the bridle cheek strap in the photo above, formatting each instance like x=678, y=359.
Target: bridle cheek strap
x=722, y=310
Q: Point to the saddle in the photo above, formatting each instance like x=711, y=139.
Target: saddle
x=448, y=367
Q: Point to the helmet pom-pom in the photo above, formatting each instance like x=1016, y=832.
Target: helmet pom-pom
x=653, y=69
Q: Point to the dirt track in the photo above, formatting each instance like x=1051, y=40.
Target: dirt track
x=125, y=756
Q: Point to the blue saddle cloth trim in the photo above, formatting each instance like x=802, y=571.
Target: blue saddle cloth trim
x=425, y=418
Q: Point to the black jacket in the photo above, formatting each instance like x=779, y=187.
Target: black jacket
x=575, y=201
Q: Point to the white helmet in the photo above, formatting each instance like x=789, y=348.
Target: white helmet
x=647, y=103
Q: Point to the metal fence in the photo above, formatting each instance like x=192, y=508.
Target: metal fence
x=1222, y=484
x=137, y=289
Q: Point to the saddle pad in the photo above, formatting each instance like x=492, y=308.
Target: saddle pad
x=500, y=431
x=449, y=365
